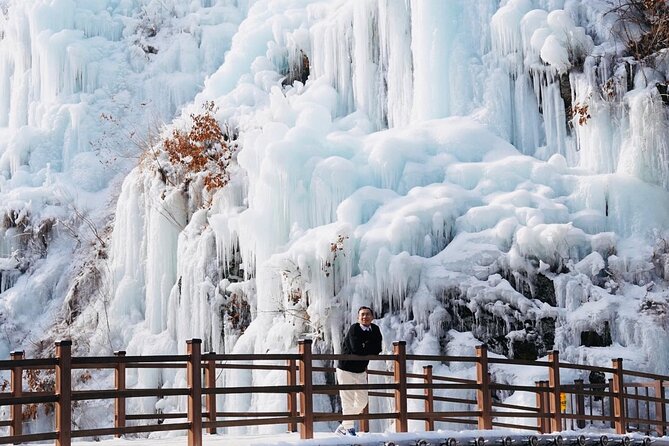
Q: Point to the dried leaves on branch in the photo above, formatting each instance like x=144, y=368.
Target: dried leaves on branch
x=643, y=25
x=205, y=148
x=580, y=111
x=39, y=381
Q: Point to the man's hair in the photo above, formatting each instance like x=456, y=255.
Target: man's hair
x=366, y=308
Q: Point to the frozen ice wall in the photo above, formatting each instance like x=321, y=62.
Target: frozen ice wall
x=63, y=59
x=401, y=61
x=476, y=171
x=357, y=183
x=84, y=88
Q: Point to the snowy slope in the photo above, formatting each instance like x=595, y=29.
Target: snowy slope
x=474, y=170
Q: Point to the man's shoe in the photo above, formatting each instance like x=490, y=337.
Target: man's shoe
x=341, y=430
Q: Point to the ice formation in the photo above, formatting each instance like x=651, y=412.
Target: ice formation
x=508, y=185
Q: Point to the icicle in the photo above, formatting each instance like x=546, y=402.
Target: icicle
x=507, y=39
x=165, y=220
x=396, y=59
x=645, y=153
x=332, y=45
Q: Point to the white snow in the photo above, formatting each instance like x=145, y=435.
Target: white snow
x=463, y=437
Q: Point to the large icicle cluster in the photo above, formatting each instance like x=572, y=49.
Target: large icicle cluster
x=83, y=85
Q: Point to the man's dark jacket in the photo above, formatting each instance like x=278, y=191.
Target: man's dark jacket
x=360, y=342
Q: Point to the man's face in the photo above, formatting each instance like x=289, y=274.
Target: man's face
x=365, y=317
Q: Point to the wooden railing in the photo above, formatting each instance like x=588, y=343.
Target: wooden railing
x=628, y=401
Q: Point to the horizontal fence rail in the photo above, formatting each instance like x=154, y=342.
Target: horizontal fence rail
x=612, y=397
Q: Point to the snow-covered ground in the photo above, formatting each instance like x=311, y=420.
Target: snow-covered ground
x=283, y=439
x=406, y=439
x=262, y=440
x=474, y=170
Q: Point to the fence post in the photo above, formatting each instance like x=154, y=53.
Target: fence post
x=210, y=398
x=660, y=409
x=483, y=396
x=119, y=384
x=194, y=373
x=63, y=389
x=580, y=403
x=548, y=396
x=541, y=407
x=429, y=398
x=612, y=410
x=619, y=396
x=364, y=422
x=16, y=411
x=400, y=380
x=554, y=384
x=306, y=394
x=291, y=380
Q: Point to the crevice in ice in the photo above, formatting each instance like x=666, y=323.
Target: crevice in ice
x=297, y=69
x=539, y=287
x=597, y=338
x=506, y=328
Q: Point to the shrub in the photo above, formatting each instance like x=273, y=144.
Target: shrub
x=204, y=149
x=39, y=381
x=581, y=112
x=237, y=312
x=335, y=247
x=643, y=26
x=45, y=381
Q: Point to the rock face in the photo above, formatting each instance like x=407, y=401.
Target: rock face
x=506, y=331
x=540, y=287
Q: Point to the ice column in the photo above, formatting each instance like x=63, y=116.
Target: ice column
x=165, y=220
x=432, y=27
x=448, y=57
x=128, y=251
x=645, y=153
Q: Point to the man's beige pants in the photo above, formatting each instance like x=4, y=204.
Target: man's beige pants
x=353, y=402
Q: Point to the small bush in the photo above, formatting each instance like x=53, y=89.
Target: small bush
x=204, y=149
x=335, y=248
x=39, y=381
x=237, y=312
x=609, y=91
x=580, y=111
x=643, y=25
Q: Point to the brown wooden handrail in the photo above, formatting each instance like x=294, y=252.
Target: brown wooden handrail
x=637, y=374
x=585, y=367
x=250, y=357
x=626, y=404
x=42, y=363
x=112, y=360
x=525, y=362
x=332, y=357
x=444, y=359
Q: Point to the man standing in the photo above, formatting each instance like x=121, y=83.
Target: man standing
x=363, y=338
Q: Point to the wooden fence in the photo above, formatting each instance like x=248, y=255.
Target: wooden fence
x=628, y=401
